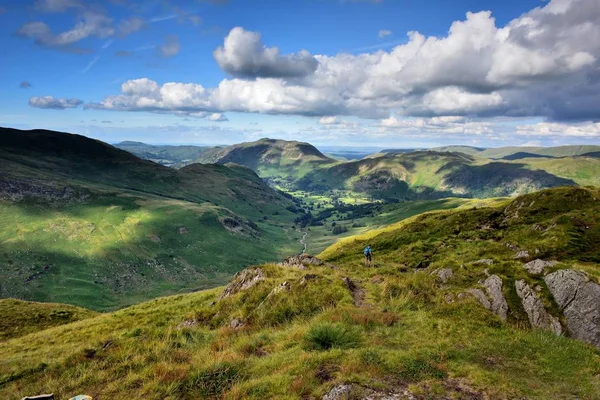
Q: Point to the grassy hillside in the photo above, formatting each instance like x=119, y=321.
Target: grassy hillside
x=20, y=318
x=504, y=152
x=431, y=174
x=275, y=159
x=164, y=155
x=291, y=333
x=88, y=224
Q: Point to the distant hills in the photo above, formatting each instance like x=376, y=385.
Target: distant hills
x=503, y=152
x=88, y=224
x=170, y=156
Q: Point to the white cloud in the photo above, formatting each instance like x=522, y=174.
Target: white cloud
x=328, y=120
x=170, y=48
x=586, y=129
x=217, y=117
x=542, y=64
x=244, y=55
x=384, y=32
x=56, y=6
x=54, y=103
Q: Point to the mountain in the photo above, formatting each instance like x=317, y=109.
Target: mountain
x=504, y=152
x=433, y=174
x=88, y=224
x=165, y=155
x=463, y=304
x=270, y=158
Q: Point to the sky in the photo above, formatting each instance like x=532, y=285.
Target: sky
x=362, y=73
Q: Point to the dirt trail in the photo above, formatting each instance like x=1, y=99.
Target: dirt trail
x=303, y=241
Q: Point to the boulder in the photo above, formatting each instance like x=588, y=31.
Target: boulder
x=494, y=301
x=493, y=285
x=537, y=266
x=243, y=280
x=579, y=300
x=536, y=312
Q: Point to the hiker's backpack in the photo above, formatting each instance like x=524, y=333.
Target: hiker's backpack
x=367, y=251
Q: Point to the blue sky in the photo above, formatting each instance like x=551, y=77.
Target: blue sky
x=330, y=72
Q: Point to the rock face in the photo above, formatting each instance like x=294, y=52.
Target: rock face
x=579, y=300
x=537, y=267
x=522, y=254
x=494, y=301
x=243, y=280
x=536, y=312
x=301, y=261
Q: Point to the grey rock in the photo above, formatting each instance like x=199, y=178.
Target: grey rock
x=444, y=274
x=236, y=323
x=579, y=299
x=354, y=391
x=301, y=261
x=522, y=254
x=243, y=280
x=536, y=312
x=483, y=261
x=449, y=298
x=493, y=285
x=537, y=266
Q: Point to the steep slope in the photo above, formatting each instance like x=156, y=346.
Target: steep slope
x=311, y=329
x=165, y=155
x=88, y=224
x=270, y=158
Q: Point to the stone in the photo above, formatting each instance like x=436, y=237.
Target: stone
x=243, y=280
x=536, y=312
x=521, y=254
x=579, y=300
x=537, y=266
x=494, y=301
x=236, y=323
x=444, y=274
x=493, y=285
x=307, y=278
x=353, y=391
x=483, y=261
x=300, y=261
x=449, y=298
x=40, y=397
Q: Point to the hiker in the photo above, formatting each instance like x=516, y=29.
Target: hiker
x=368, y=256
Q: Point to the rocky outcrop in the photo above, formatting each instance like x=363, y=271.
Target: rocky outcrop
x=494, y=301
x=537, y=267
x=579, y=300
x=301, y=261
x=243, y=280
x=18, y=190
x=536, y=312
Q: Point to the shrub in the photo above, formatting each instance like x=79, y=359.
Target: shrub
x=327, y=336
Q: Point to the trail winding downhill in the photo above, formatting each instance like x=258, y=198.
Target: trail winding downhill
x=303, y=241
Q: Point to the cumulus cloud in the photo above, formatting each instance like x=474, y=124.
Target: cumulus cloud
x=25, y=85
x=170, y=48
x=586, y=129
x=384, y=32
x=545, y=63
x=244, y=55
x=54, y=103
